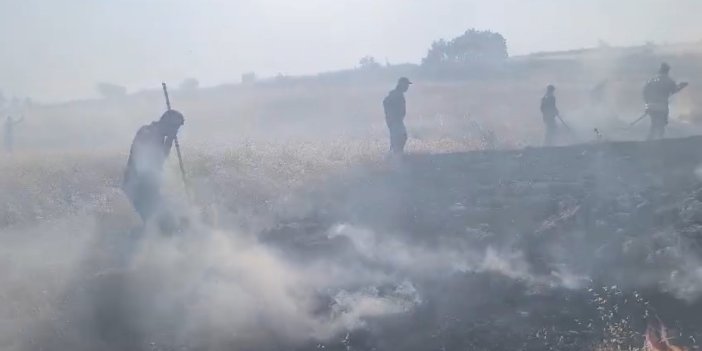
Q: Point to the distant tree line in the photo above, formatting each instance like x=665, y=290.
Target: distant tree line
x=473, y=53
x=468, y=54
x=111, y=91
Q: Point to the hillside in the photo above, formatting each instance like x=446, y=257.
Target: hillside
x=346, y=106
x=300, y=234
x=565, y=248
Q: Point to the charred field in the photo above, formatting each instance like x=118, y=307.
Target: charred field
x=292, y=229
x=566, y=248
x=579, y=247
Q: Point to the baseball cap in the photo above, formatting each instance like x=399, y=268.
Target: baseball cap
x=404, y=80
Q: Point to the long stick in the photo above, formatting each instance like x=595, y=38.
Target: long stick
x=165, y=93
x=177, y=144
x=638, y=119
x=564, y=123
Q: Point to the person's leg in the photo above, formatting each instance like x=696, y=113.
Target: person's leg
x=402, y=136
x=657, y=125
x=392, y=134
x=152, y=208
x=663, y=124
x=8, y=143
x=652, y=130
x=145, y=198
x=550, y=130
x=660, y=130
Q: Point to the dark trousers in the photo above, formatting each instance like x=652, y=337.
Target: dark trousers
x=550, y=123
x=659, y=119
x=145, y=197
x=9, y=141
x=398, y=135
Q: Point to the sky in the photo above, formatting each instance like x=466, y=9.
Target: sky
x=57, y=50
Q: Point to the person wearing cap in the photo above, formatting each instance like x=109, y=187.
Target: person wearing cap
x=549, y=111
x=657, y=93
x=395, y=110
x=149, y=151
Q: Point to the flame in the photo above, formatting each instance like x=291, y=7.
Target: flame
x=658, y=340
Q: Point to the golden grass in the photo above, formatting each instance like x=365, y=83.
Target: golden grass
x=40, y=186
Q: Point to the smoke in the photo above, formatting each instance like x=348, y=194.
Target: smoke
x=310, y=239
x=449, y=258
x=309, y=260
x=93, y=286
x=220, y=294
x=85, y=282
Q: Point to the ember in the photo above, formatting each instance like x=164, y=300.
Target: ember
x=658, y=340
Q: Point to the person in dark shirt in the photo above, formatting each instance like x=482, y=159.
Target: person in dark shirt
x=598, y=93
x=395, y=110
x=549, y=111
x=9, y=139
x=657, y=93
x=150, y=149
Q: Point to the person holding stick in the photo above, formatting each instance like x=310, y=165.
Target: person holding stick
x=656, y=94
x=150, y=149
x=549, y=113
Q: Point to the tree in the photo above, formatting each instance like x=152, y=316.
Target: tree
x=280, y=77
x=368, y=62
x=109, y=90
x=474, y=47
x=189, y=84
x=248, y=78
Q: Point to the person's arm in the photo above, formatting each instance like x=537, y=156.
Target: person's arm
x=402, y=106
x=393, y=106
x=555, y=108
x=542, y=105
x=168, y=144
x=679, y=87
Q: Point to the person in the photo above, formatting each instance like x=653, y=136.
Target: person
x=657, y=93
x=598, y=93
x=150, y=149
x=395, y=110
x=10, y=124
x=549, y=111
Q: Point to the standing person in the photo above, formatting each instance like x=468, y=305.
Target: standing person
x=9, y=139
x=598, y=93
x=549, y=111
x=656, y=94
x=150, y=149
x=395, y=110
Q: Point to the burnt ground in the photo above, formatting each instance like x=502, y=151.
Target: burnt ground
x=624, y=217
x=564, y=248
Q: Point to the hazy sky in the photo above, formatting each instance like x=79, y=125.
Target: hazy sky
x=58, y=49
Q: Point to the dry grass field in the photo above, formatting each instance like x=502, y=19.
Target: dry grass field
x=305, y=235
